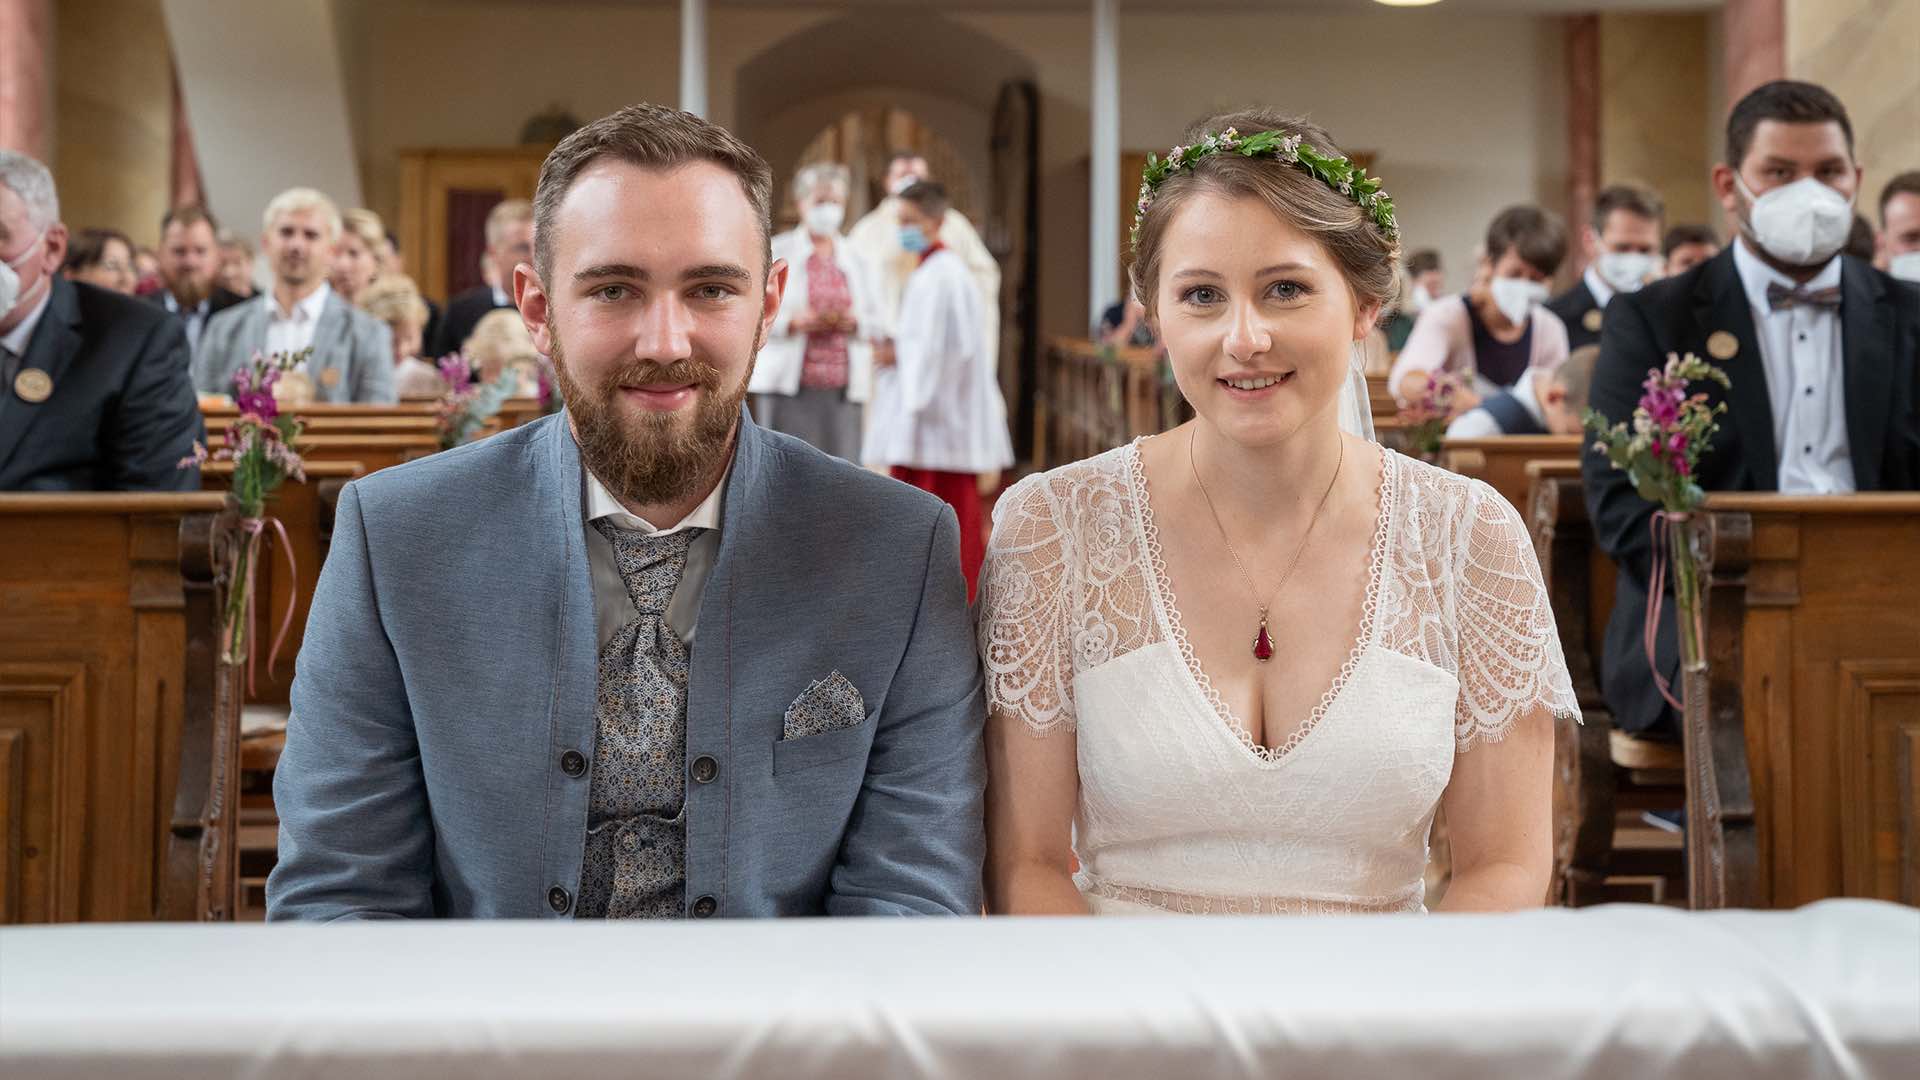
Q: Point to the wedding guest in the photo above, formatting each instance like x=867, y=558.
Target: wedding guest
x=1622, y=247
x=356, y=260
x=501, y=343
x=1900, y=226
x=1124, y=326
x=815, y=374
x=1498, y=329
x=1687, y=246
x=190, y=270
x=1823, y=352
x=94, y=394
x=1429, y=280
x=1173, y=710
x=236, y=265
x=1862, y=243
x=352, y=358
x=103, y=258
x=938, y=418
x=146, y=271
x=395, y=300
x=876, y=237
x=509, y=243
x=724, y=675
x=1546, y=401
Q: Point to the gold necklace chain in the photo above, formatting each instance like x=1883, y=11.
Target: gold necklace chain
x=1252, y=589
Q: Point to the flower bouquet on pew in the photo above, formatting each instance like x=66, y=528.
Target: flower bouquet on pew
x=259, y=443
x=1659, y=450
x=1428, y=410
x=470, y=401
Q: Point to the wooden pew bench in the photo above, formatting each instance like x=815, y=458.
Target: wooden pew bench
x=1803, y=735
x=118, y=721
x=1502, y=461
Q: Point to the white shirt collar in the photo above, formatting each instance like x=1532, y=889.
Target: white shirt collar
x=306, y=311
x=21, y=336
x=1525, y=391
x=1755, y=276
x=602, y=504
x=1602, y=292
x=500, y=297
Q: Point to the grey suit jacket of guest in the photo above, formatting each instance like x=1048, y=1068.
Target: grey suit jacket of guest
x=348, y=340
x=449, y=667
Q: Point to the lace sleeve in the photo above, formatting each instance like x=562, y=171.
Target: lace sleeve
x=1026, y=609
x=1507, y=647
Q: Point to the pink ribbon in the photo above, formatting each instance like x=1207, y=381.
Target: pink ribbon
x=255, y=527
x=1660, y=528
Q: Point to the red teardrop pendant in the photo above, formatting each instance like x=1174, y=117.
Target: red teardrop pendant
x=1263, y=645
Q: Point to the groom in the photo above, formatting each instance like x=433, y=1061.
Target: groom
x=641, y=659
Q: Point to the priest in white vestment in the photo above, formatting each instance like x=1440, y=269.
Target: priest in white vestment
x=937, y=420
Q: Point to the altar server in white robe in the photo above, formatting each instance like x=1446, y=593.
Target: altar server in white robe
x=876, y=237
x=938, y=420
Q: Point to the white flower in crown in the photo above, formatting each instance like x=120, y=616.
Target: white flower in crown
x=1346, y=187
x=1230, y=138
x=1173, y=155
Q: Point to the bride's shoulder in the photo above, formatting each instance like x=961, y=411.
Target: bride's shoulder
x=1061, y=495
x=1447, y=502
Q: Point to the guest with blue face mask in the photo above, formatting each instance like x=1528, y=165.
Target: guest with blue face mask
x=94, y=387
x=1822, y=350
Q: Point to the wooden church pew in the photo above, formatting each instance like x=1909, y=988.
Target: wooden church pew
x=118, y=721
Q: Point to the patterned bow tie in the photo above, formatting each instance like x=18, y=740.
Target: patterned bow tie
x=1781, y=298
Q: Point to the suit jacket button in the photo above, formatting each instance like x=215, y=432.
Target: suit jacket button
x=704, y=907
x=573, y=763
x=705, y=769
x=559, y=900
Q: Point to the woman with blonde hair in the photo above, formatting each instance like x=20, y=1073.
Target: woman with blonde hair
x=815, y=373
x=1238, y=666
x=356, y=259
x=500, y=342
x=396, y=301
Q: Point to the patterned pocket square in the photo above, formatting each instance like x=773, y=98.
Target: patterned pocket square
x=830, y=704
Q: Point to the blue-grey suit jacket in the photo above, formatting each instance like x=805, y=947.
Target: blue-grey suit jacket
x=449, y=666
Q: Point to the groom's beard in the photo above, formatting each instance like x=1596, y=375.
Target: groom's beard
x=653, y=457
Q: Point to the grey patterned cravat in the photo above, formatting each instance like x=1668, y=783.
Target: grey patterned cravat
x=636, y=853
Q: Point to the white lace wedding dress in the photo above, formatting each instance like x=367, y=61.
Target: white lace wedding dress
x=1179, y=809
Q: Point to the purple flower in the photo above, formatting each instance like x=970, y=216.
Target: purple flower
x=455, y=369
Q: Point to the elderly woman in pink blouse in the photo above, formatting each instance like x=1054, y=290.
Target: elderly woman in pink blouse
x=815, y=372
x=1498, y=330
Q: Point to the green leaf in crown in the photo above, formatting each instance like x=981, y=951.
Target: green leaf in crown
x=1335, y=171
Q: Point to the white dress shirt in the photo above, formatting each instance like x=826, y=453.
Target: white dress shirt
x=1602, y=292
x=1803, y=356
x=194, y=319
x=291, y=331
x=612, y=604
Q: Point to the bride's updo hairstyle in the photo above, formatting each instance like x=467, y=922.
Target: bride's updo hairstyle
x=1366, y=255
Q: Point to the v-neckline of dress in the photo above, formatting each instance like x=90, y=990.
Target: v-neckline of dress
x=1169, y=613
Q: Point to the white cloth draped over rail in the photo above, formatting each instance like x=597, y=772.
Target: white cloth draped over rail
x=1830, y=990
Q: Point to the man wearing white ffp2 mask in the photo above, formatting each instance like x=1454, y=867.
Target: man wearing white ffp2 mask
x=1900, y=226
x=1622, y=246
x=1822, y=351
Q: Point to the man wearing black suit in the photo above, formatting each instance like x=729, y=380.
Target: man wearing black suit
x=95, y=393
x=190, y=269
x=509, y=243
x=1822, y=349
x=1622, y=245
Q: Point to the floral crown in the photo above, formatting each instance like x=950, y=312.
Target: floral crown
x=1334, y=171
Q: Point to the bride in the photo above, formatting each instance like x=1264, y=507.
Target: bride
x=1235, y=667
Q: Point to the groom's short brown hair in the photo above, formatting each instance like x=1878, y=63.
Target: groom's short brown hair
x=652, y=136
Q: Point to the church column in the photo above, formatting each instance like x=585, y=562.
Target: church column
x=26, y=81
x=1862, y=50
x=1756, y=45
x=1103, y=213
x=693, y=56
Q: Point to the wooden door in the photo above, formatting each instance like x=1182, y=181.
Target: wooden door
x=444, y=199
